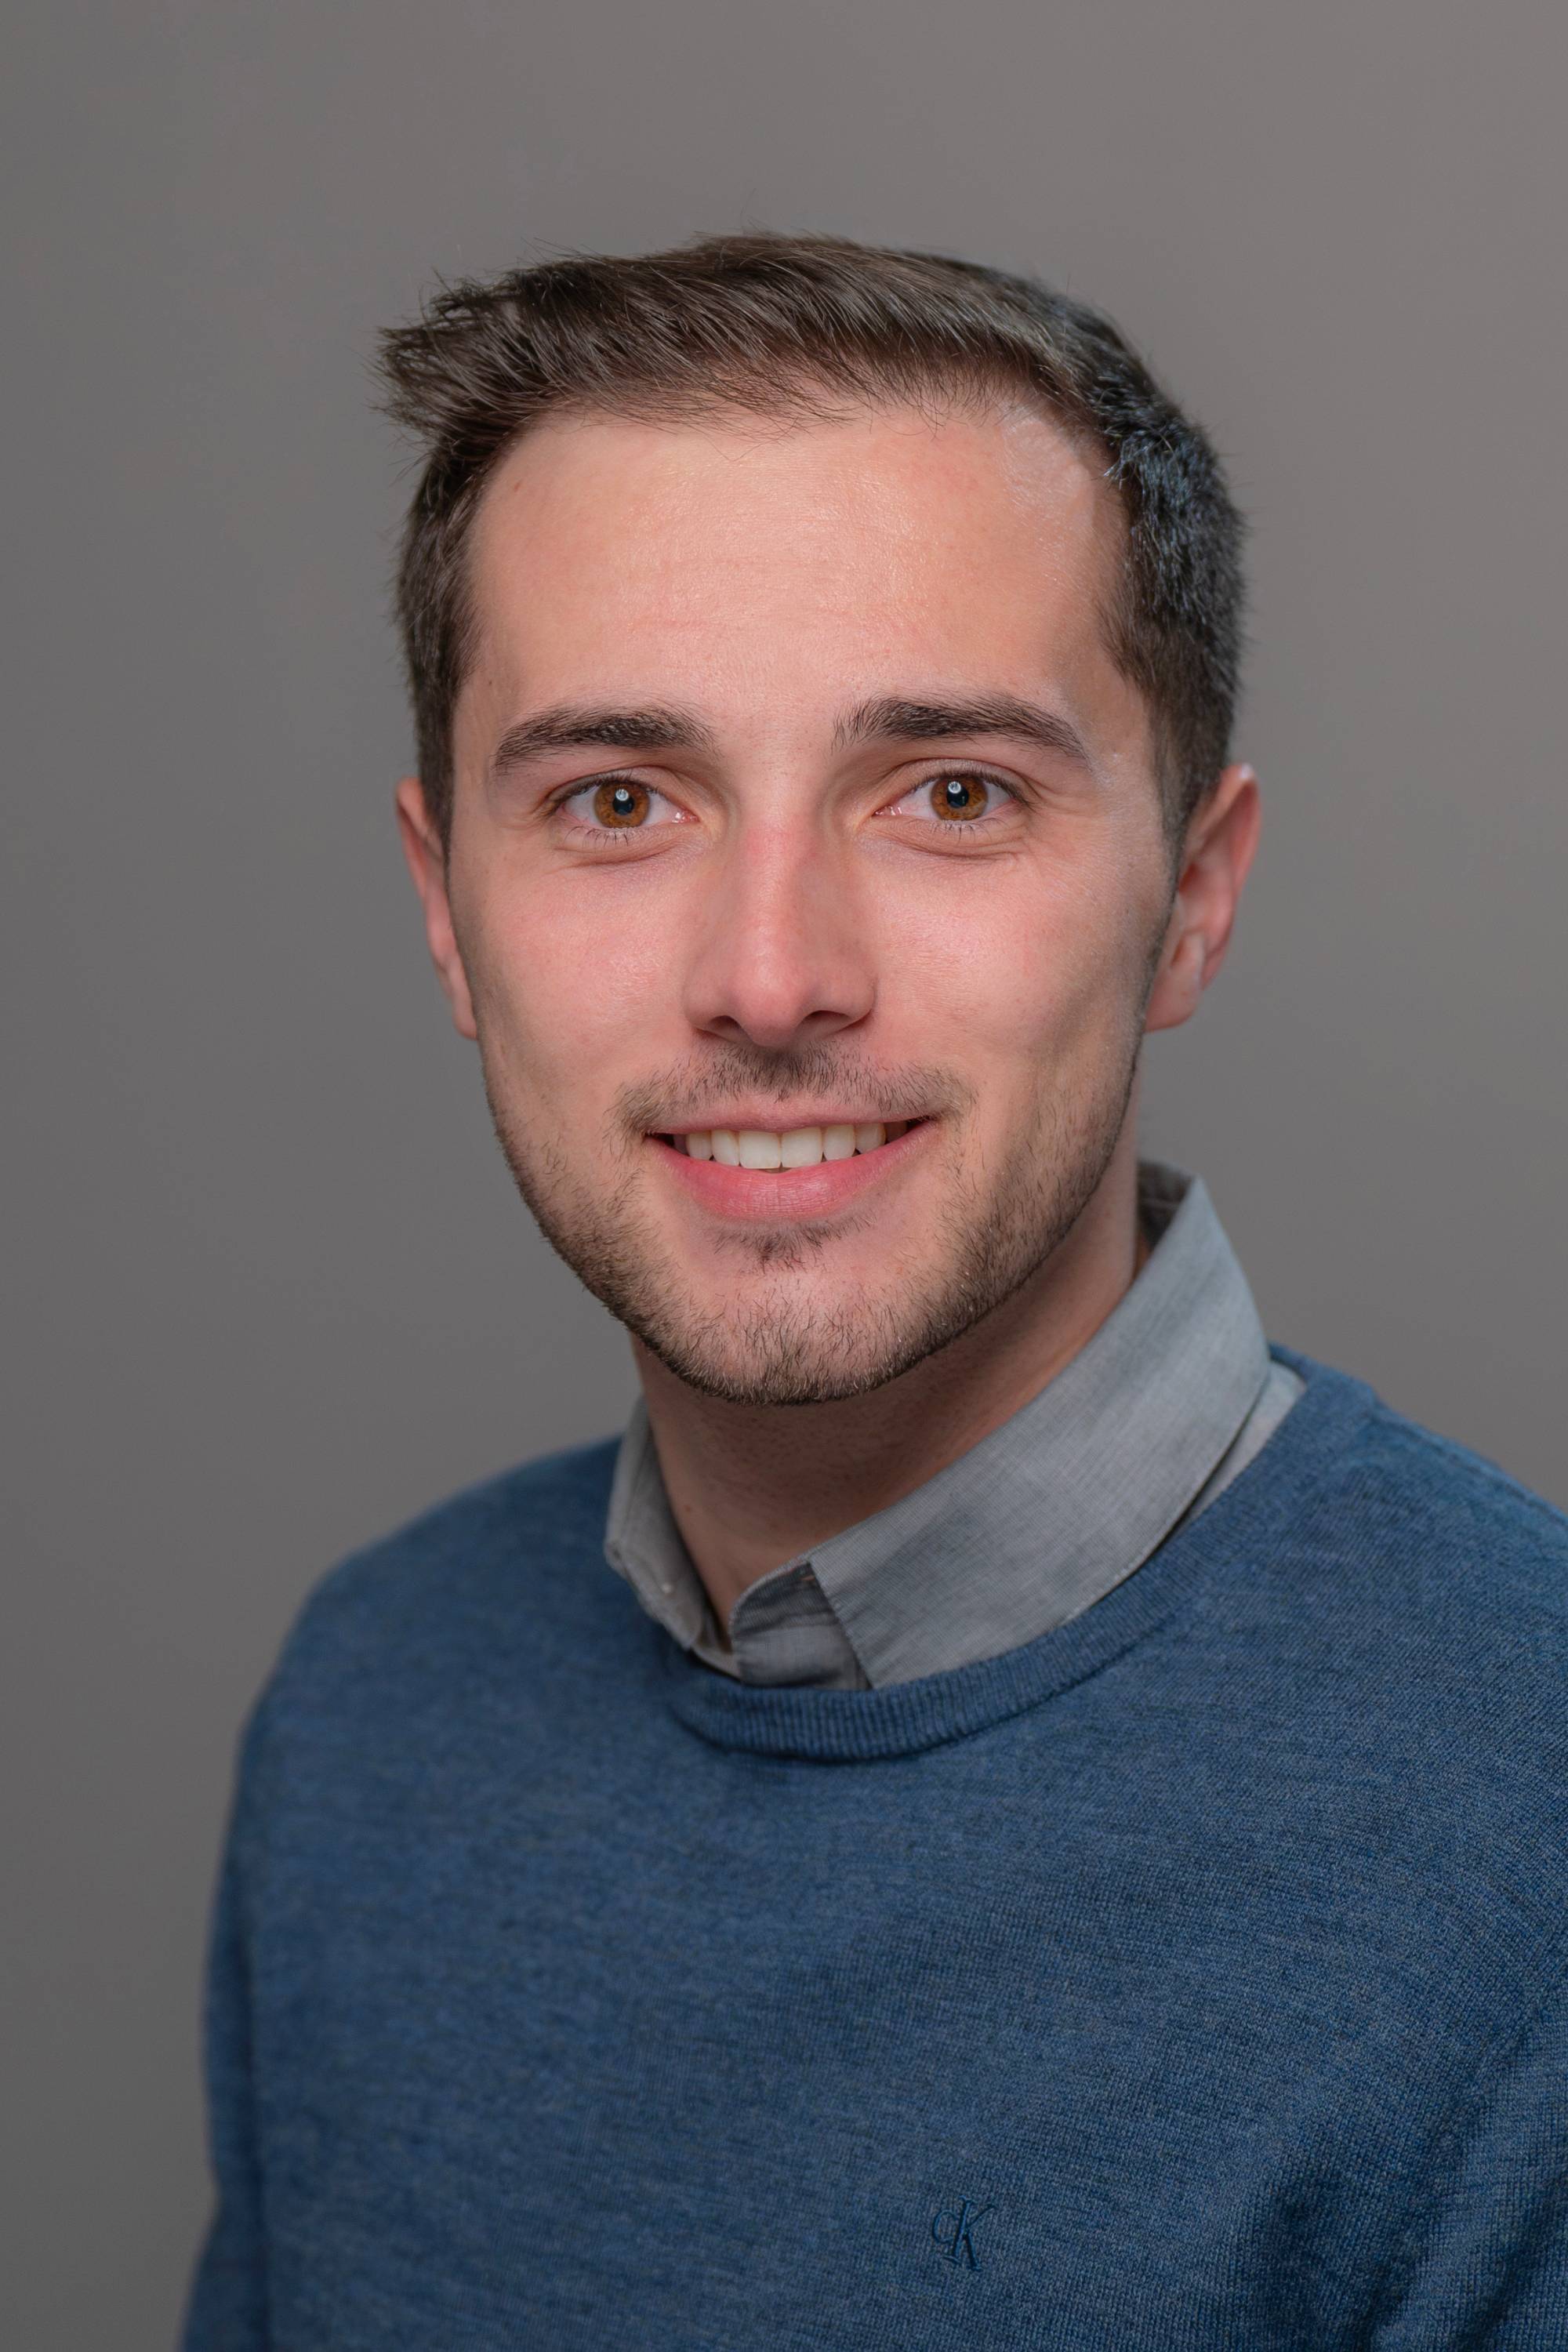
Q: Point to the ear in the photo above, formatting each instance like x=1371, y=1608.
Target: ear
x=1217, y=851
x=428, y=865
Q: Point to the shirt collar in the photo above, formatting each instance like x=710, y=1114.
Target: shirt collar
x=1025, y=1529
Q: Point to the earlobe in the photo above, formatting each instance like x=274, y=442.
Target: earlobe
x=1180, y=982
x=427, y=867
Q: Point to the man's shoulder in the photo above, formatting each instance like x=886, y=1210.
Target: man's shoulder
x=502, y=1565
x=1421, y=1526
x=1390, y=1630
x=1409, y=1477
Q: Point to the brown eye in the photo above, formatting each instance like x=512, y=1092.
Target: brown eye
x=620, y=804
x=959, y=796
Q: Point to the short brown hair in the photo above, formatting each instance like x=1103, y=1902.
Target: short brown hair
x=787, y=325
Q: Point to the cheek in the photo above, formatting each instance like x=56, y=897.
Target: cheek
x=1020, y=973
x=566, y=985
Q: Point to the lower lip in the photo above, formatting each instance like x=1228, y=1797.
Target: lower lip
x=775, y=1195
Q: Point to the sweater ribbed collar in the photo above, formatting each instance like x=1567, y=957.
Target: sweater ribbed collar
x=862, y=1726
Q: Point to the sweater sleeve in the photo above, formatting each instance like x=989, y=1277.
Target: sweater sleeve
x=226, y=2308
x=1485, y=2265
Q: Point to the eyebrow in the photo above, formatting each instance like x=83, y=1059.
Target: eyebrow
x=895, y=720
x=569, y=727
x=892, y=719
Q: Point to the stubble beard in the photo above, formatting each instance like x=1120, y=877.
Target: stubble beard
x=769, y=1344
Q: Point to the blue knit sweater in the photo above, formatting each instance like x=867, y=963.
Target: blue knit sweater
x=1191, y=1977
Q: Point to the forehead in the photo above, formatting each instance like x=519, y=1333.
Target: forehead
x=774, y=561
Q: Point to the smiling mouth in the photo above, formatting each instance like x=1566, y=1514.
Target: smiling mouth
x=768, y=1151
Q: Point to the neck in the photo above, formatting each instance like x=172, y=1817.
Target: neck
x=750, y=1485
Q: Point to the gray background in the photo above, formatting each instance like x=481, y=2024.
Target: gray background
x=270, y=1289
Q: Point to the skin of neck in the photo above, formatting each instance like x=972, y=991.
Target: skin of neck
x=752, y=1486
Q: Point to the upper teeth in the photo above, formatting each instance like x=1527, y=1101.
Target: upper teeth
x=797, y=1147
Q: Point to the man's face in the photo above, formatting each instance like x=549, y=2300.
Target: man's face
x=797, y=792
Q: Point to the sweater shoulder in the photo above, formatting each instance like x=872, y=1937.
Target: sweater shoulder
x=1409, y=1587
x=1390, y=1630
x=1497, y=1546
x=504, y=1564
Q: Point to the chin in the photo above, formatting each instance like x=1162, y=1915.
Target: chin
x=783, y=1347
x=777, y=1375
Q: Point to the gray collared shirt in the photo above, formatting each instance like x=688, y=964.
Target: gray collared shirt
x=1141, y=1430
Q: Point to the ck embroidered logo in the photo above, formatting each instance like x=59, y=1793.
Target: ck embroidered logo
x=952, y=2228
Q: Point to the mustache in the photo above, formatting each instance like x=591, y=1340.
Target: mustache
x=681, y=1093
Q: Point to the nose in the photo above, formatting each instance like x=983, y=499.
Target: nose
x=781, y=955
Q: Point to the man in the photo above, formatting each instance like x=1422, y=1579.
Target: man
x=1002, y=1811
